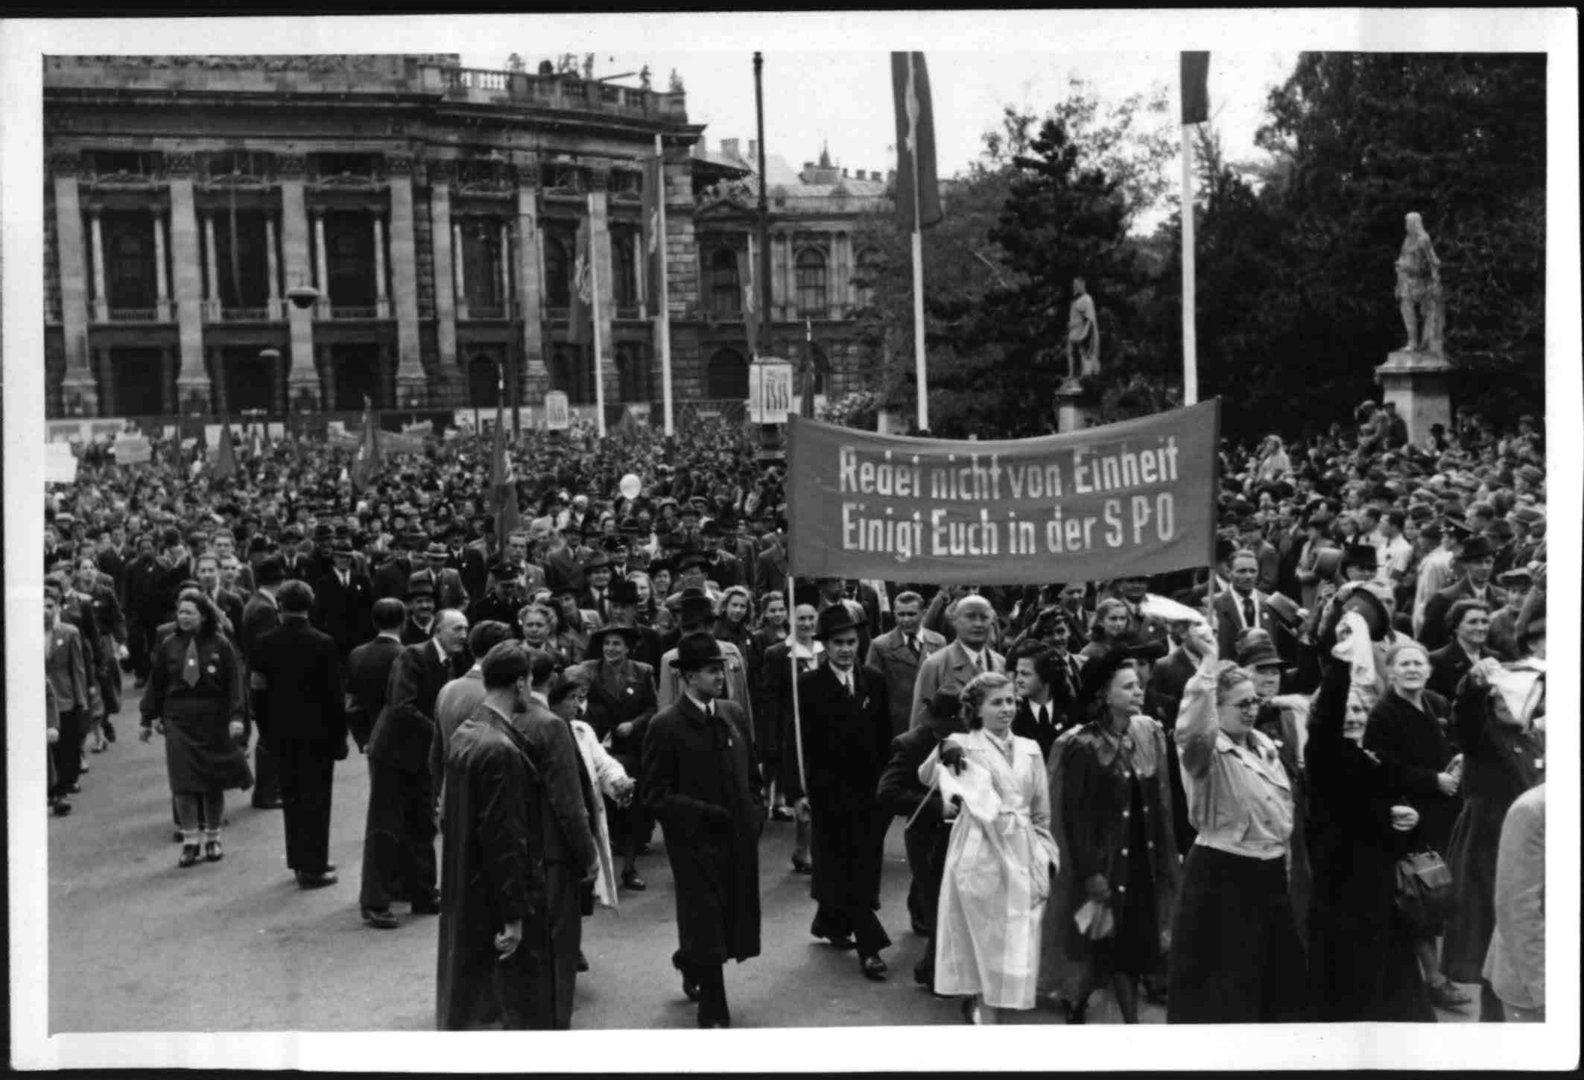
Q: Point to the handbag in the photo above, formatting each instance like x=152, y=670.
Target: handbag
x=1424, y=893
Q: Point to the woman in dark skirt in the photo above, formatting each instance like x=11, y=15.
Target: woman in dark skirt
x=1361, y=956
x=1503, y=757
x=1120, y=858
x=195, y=699
x=1235, y=953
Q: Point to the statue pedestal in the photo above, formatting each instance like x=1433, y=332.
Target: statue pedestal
x=1073, y=411
x=1417, y=383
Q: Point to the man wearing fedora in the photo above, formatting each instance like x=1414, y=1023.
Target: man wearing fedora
x=1438, y=569
x=344, y=600
x=447, y=583
x=696, y=614
x=595, y=595
x=621, y=702
x=700, y=781
x=1474, y=563
x=846, y=730
x=624, y=612
x=419, y=626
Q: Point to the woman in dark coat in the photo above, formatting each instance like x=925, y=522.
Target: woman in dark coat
x=1503, y=757
x=195, y=699
x=1361, y=958
x=1110, y=782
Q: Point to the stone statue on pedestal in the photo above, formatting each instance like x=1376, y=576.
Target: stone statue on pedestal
x=1083, y=333
x=1419, y=288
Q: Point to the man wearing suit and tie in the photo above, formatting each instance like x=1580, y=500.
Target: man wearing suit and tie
x=448, y=587
x=400, y=831
x=66, y=670
x=897, y=654
x=621, y=702
x=297, y=673
x=952, y=667
x=345, y=599
x=369, y=667
x=1243, y=607
x=260, y=615
x=595, y=596
x=1475, y=562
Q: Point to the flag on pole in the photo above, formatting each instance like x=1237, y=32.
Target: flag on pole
x=1195, y=87
x=366, y=462
x=503, y=482
x=750, y=296
x=225, y=467
x=917, y=191
x=580, y=325
x=654, y=257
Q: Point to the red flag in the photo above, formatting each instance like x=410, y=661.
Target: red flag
x=917, y=190
x=366, y=462
x=225, y=467
x=580, y=323
x=503, y=483
x=1195, y=87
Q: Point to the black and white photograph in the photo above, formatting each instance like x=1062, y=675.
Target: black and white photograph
x=877, y=522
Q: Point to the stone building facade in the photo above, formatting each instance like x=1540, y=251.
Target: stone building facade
x=433, y=208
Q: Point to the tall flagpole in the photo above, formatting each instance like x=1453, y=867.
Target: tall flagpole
x=664, y=314
x=919, y=368
x=594, y=308
x=1189, y=335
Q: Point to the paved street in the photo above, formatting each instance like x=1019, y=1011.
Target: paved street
x=137, y=944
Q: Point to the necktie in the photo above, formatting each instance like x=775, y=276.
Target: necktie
x=979, y=663
x=190, y=664
x=847, y=685
x=913, y=644
x=1248, y=611
x=1043, y=719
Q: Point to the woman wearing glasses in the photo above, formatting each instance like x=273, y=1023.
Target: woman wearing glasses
x=1235, y=953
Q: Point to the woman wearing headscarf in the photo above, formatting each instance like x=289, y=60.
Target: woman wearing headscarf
x=1235, y=952
x=195, y=699
x=999, y=858
x=1494, y=719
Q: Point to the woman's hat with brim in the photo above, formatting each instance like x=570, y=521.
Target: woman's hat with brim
x=1098, y=671
x=596, y=640
x=697, y=650
x=835, y=619
x=1256, y=649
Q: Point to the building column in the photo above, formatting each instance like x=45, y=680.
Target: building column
x=211, y=272
x=404, y=278
x=101, y=369
x=505, y=267
x=641, y=263
x=321, y=267
x=101, y=301
x=272, y=268
x=381, y=299
x=191, y=378
x=168, y=389
x=442, y=240
x=459, y=265
x=604, y=267
x=78, y=379
x=162, y=308
x=530, y=290
x=217, y=371
x=302, y=376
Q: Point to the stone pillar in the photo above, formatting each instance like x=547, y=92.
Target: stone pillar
x=211, y=272
x=101, y=302
x=505, y=267
x=641, y=264
x=604, y=267
x=459, y=265
x=404, y=278
x=381, y=299
x=162, y=308
x=302, y=375
x=321, y=267
x=1074, y=412
x=186, y=265
x=272, y=268
x=1417, y=382
x=78, y=379
x=530, y=289
x=445, y=269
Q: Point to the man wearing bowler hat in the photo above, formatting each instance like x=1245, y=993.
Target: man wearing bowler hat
x=700, y=781
x=846, y=732
x=1474, y=563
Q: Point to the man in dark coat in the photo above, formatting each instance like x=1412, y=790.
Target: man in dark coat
x=928, y=832
x=699, y=780
x=570, y=857
x=846, y=734
x=400, y=832
x=1475, y=562
x=345, y=598
x=297, y=671
x=494, y=933
x=369, y=667
x=260, y=615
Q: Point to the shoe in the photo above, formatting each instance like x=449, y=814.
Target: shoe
x=429, y=905
x=189, y=856
x=783, y=813
x=98, y=747
x=379, y=918
x=73, y=789
x=316, y=881
x=923, y=974
x=802, y=865
x=1076, y=1014
x=631, y=880
x=177, y=836
x=61, y=807
x=873, y=968
x=690, y=986
x=266, y=804
x=1447, y=996
x=841, y=939
x=582, y=964
x=212, y=851
x=82, y=766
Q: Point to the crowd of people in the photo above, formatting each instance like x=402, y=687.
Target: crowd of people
x=1303, y=785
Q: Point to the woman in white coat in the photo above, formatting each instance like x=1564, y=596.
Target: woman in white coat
x=605, y=776
x=999, y=859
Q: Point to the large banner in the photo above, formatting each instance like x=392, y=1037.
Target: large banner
x=1106, y=502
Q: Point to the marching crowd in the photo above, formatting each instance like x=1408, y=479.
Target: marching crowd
x=1306, y=785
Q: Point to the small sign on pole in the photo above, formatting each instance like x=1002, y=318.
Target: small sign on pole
x=558, y=413
x=60, y=464
x=769, y=391
x=132, y=450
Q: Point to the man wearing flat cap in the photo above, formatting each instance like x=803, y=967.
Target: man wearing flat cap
x=1503, y=636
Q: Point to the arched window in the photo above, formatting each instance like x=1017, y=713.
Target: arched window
x=811, y=283
x=868, y=274
x=558, y=267
x=725, y=296
x=727, y=376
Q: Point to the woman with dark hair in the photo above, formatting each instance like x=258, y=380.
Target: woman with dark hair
x=999, y=858
x=1361, y=956
x=1468, y=624
x=195, y=699
x=734, y=624
x=1113, y=825
x=1503, y=757
x=1235, y=952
